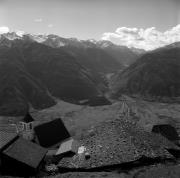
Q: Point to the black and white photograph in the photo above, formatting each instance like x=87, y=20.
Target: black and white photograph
x=89, y=88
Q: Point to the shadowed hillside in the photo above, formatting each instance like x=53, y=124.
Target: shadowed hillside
x=31, y=72
x=155, y=74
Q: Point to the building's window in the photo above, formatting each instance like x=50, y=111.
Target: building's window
x=30, y=126
x=20, y=126
x=26, y=126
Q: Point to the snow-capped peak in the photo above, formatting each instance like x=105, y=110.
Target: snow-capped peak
x=39, y=38
x=11, y=35
x=92, y=41
x=20, y=33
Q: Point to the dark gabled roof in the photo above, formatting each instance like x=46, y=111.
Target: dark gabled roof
x=6, y=138
x=26, y=152
x=51, y=133
x=167, y=131
x=27, y=118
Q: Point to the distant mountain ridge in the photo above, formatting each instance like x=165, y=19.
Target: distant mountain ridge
x=122, y=54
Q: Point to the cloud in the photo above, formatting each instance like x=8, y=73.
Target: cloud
x=4, y=30
x=147, y=39
x=39, y=20
x=50, y=25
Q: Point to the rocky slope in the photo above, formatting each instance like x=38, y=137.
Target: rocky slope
x=108, y=143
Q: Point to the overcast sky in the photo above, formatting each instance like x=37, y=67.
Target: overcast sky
x=85, y=19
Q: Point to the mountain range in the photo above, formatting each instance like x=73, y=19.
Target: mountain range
x=38, y=69
x=122, y=54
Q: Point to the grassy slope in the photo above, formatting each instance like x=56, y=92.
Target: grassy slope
x=78, y=117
